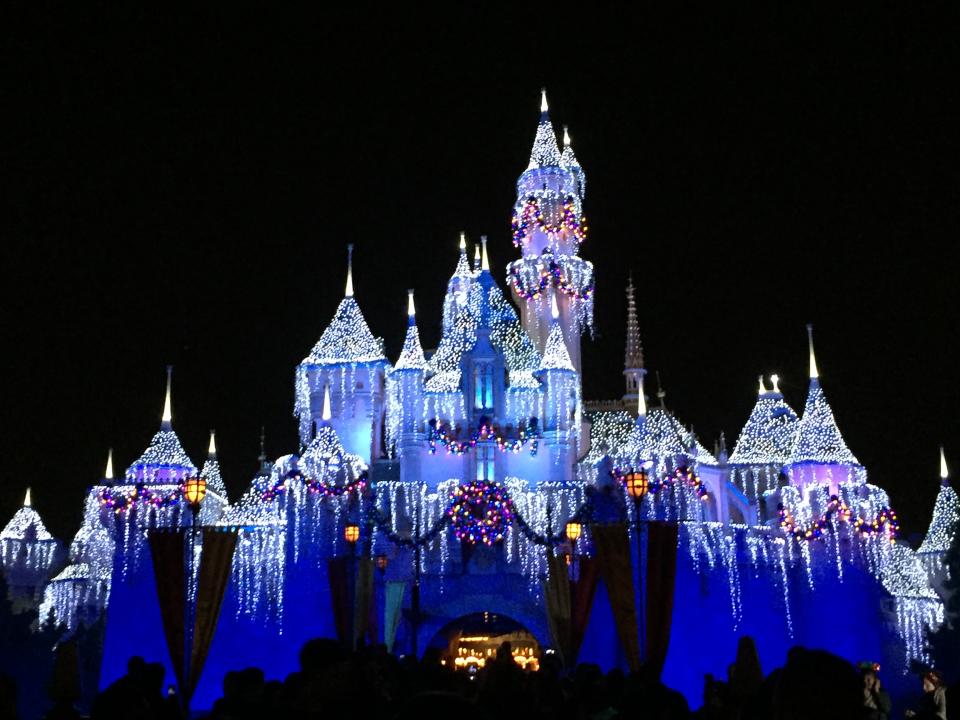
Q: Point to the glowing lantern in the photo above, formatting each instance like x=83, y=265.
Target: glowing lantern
x=351, y=533
x=573, y=531
x=638, y=483
x=194, y=490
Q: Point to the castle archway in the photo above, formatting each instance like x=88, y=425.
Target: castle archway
x=469, y=642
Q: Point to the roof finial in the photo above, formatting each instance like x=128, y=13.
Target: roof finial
x=484, y=260
x=763, y=389
x=566, y=137
x=633, y=358
x=814, y=373
x=411, y=308
x=108, y=473
x=263, y=445
x=167, y=418
x=212, y=447
x=944, y=473
x=349, y=290
x=775, y=379
x=554, y=308
x=26, y=499
x=463, y=241
x=326, y=415
x=641, y=399
x=476, y=258
x=543, y=101
x=661, y=393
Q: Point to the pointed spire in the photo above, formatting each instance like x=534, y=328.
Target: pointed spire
x=108, y=473
x=348, y=292
x=411, y=357
x=641, y=400
x=944, y=473
x=661, y=393
x=463, y=242
x=212, y=447
x=476, y=258
x=484, y=259
x=814, y=373
x=26, y=499
x=566, y=137
x=763, y=388
x=634, y=350
x=326, y=415
x=775, y=379
x=262, y=457
x=545, y=152
x=166, y=421
x=554, y=308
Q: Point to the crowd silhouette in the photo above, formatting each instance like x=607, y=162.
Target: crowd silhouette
x=370, y=682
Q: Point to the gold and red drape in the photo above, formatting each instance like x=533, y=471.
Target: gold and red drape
x=168, y=552
x=611, y=545
x=568, y=604
x=661, y=573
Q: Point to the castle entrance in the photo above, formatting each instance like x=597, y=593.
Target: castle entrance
x=471, y=641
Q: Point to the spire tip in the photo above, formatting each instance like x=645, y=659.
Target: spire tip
x=543, y=101
x=26, y=499
x=484, y=260
x=167, y=417
x=348, y=292
x=814, y=372
x=108, y=473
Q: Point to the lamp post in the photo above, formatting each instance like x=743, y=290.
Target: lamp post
x=351, y=533
x=638, y=484
x=194, y=490
x=573, y=530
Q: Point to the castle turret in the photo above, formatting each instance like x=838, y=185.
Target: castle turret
x=28, y=553
x=765, y=443
x=349, y=361
x=562, y=402
x=633, y=370
x=548, y=227
x=164, y=462
x=942, y=531
x=405, y=396
x=819, y=456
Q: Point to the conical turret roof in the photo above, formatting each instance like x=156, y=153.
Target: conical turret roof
x=164, y=458
x=411, y=357
x=211, y=471
x=545, y=152
x=946, y=515
x=25, y=524
x=767, y=437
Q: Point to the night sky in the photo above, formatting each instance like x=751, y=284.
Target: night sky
x=181, y=189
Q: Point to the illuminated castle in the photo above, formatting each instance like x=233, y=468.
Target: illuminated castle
x=464, y=469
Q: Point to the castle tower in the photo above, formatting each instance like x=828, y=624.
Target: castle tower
x=633, y=370
x=164, y=462
x=562, y=402
x=405, y=389
x=349, y=361
x=820, y=456
x=28, y=553
x=943, y=527
x=548, y=227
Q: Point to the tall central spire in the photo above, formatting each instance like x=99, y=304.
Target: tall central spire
x=633, y=356
x=814, y=373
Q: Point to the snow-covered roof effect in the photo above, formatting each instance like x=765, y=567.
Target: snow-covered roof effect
x=25, y=523
x=347, y=339
x=818, y=438
x=768, y=435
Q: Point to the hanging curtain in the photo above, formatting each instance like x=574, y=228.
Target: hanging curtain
x=363, y=600
x=338, y=574
x=216, y=560
x=612, y=552
x=661, y=577
x=167, y=553
x=556, y=596
x=581, y=597
x=393, y=604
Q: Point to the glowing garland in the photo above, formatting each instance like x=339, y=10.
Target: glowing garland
x=316, y=486
x=480, y=511
x=886, y=521
x=121, y=499
x=531, y=217
x=682, y=474
x=530, y=432
x=551, y=273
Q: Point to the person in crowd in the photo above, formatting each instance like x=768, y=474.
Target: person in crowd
x=876, y=701
x=933, y=703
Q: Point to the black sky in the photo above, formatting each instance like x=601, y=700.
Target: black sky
x=179, y=188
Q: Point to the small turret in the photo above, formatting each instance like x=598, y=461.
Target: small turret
x=944, y=524
x=633, y=370
x=164, y=461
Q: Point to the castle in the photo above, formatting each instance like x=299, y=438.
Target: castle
x=475, y=473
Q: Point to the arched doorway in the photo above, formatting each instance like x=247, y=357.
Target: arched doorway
x=471, y=641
